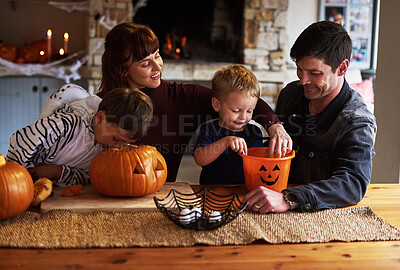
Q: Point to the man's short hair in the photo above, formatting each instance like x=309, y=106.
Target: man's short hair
x=324, y=40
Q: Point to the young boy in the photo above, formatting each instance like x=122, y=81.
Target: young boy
x=235, y=93
x=62, y=145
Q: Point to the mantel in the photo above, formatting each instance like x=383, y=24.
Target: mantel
x=202, y=71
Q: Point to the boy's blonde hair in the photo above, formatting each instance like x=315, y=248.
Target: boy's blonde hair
x=234, y=78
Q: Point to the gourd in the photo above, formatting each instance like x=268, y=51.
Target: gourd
x=8, y=52
x=28, y=54
x=16, y=189
x=129, y=171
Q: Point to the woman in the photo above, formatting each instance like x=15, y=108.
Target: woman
x=132, y=59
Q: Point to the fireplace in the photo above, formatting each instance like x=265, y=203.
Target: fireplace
x=200, y=30
x=197, y=37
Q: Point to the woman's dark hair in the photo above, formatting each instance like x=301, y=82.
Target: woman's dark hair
x=125, y=43
x=129, y=109
x=325, y=40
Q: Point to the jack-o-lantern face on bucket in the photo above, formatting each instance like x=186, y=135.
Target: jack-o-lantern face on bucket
x=269, y=178
x=259, y=170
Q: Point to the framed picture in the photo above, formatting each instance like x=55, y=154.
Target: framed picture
x=356, y=17
x=335, y=14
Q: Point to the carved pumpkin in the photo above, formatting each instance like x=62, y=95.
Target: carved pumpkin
x=259, y=170
x=8, y=52
x=16, y=189
x=129, y=171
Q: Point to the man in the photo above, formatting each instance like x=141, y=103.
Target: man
x=332, y=130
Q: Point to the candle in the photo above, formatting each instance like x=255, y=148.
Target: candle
x=66, y=37
x=42, y=57
x=61, y=54
x=49, y=34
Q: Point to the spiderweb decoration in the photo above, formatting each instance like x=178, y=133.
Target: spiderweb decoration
x=70, y=7
x=67, y=68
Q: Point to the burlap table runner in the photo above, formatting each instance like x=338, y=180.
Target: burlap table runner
x=67, y=229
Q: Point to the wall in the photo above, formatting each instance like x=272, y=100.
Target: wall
x=300, y=15
x=23, y=22
x=387, y=96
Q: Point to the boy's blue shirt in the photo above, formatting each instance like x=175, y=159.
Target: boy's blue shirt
x=227, y=169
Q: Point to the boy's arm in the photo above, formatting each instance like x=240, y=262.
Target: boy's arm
x=73, y=176
x=207, y=154
x=60, y=174
x=30, y=146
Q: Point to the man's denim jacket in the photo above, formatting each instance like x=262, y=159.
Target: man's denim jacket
x=333, y=160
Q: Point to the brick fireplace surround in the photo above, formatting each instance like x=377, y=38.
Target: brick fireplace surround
x=264, y=44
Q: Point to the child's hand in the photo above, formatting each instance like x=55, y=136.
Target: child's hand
x=50, y=171
x=237, y=144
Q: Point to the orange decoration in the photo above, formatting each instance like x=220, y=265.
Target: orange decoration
x=8, y=52
x=71, y=191
x=129, y=171
x=16, y=189
x=41, y=45
x=28, y=54
x=259, y=170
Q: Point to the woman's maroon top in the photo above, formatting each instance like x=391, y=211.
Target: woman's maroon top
x=178, y=110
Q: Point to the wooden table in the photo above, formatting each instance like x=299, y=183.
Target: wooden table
x=384, y=199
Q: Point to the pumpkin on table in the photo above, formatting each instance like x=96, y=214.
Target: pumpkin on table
x=129, y=171
x=16, y=189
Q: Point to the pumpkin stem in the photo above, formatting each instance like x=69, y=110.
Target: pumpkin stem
x=2, y=160
x=127, y=148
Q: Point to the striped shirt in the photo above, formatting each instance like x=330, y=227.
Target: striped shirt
x=63, y=138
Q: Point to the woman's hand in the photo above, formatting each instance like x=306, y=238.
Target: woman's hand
x=49, y=171
x=280, y=142
x=264, y=200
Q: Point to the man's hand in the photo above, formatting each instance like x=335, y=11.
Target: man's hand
x=264, y=200
x=49, y=171
x=280, y=143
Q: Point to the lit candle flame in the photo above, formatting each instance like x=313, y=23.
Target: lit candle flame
x=61, y=51
x=41, y=52
x=66, y=38
x=48, y=52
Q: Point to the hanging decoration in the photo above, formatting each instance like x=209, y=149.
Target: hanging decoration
x=108, y=23
x=65, y=69
x=70, y=7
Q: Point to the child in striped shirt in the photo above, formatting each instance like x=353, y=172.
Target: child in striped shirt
x=61, y=146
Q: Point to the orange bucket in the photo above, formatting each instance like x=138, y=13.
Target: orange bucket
x=259, y=170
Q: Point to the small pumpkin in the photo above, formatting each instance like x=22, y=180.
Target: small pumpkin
x=129, y=171
x=28, y=54
x=41, y=45
x=8, y=52
x=16, y=189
